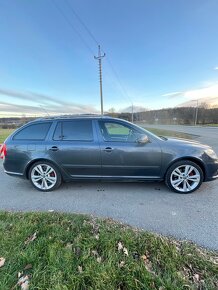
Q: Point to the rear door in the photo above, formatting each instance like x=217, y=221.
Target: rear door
x=122, y=156
x=75, y=148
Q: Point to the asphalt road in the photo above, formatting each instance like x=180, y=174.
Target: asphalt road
x=149, y=206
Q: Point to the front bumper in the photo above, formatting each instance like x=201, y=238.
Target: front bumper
x=211, y=171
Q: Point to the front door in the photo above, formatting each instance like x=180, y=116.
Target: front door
x=123, y=156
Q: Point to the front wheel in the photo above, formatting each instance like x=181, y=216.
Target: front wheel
x=184, y=176
x=44, y=176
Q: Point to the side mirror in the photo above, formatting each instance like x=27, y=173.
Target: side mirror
x=143, y=139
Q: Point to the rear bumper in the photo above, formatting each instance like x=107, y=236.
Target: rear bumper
x=13, y=167
x=14, y=173
x=10, y=168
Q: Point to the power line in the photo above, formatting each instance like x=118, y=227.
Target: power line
x=72, y=26
x=97, y=42
x=123, y=89
x=82, y=22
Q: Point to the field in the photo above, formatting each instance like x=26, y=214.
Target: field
x=4, y=134
x=67, y=251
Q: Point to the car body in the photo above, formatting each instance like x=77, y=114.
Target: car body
x=50, y=150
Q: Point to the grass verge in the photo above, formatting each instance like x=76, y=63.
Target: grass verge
x=67, y=251
x=169, y=133
x=210, y=125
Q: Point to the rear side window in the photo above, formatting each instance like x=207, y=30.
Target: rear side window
x=33, y=132
x=75, y=130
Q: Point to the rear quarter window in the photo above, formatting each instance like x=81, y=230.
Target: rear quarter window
x=33, y=132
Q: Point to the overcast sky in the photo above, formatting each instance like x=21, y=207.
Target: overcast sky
x=163, y=52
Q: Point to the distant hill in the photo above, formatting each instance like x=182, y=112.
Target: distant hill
x=136, y=109
x=209, y=102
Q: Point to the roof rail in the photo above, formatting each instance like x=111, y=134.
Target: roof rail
x=70, y=116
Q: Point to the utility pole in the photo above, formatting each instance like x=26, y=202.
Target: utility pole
x=196, y=113
x=99, y=58
x=132, y=113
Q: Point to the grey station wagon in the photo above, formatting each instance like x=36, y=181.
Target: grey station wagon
x=49, y=151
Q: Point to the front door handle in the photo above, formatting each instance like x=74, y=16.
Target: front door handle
x=54, y=148
x=108, y=149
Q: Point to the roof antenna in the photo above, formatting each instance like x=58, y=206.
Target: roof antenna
x=44, y=110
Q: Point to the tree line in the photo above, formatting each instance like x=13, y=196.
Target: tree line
x=180, y=115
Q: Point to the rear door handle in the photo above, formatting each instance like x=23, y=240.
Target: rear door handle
x=54, y=148
x=108, y=149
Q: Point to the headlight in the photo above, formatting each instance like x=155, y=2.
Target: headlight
x=211, y=153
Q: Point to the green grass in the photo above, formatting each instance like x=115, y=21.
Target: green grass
x=122, y=131
x=211, y=125
x=79, y=252
x=4, y=133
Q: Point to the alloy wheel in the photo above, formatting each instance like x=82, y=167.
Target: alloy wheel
x=43, y=176
x=185, y=178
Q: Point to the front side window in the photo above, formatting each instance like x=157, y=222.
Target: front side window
x=33, y=132
x=112, y=131
x=75, y=130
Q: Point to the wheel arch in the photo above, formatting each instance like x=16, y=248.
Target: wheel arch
x=193, y=159
x=37, y=160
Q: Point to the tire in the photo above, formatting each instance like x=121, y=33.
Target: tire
x=184, y=177
x=44, y=176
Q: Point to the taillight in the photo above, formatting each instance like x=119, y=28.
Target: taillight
x=3, y=151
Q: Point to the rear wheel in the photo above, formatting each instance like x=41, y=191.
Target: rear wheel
x=44, y=176
x=184, y=176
